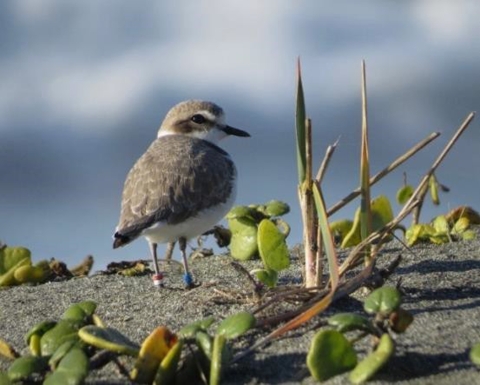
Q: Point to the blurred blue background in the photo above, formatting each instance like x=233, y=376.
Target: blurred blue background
x=85, y=85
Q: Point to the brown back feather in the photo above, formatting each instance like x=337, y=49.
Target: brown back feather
x=177, y=177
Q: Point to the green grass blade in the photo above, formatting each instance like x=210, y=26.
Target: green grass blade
x=365, y=209
x=327, y=236
x=300, y=116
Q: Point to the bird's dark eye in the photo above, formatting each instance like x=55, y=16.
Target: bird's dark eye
x=199, y=119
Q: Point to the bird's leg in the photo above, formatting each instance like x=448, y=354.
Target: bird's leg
x=187, y=277
x=169, y=251
x=158, y=276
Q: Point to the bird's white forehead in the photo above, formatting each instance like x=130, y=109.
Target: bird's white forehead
x=218, y=119
x=184, y=111
x=191, y=107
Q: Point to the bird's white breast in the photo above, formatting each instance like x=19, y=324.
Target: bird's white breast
x=194, y=226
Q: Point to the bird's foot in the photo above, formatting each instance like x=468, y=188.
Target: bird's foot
x=158, y=280
x=188, y=280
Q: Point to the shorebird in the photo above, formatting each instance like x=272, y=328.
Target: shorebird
x=182, y=185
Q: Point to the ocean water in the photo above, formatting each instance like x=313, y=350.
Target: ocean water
x=85, y=87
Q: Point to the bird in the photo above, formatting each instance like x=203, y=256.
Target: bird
x=183, y=184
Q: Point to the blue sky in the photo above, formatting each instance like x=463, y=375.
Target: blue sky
x=85, y=86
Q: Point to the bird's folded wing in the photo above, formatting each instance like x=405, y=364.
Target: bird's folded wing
x=167, y=189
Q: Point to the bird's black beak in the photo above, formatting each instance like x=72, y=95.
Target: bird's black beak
x=235, y=131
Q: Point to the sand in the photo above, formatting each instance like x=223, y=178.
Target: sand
x=441, y=286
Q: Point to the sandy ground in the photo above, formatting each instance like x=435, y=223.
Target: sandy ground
x=441, y=286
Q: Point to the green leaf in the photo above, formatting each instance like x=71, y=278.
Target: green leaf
x=461, y=225
x=468, y=235
x=11, y=259
x=153, y=350
x=80, y=312
x=168, y=367
x=439, y=238
x=88, y=307
x=205, y=343
x=72, y=370
x=26, y=367
x=353, y=237
x=11, y=256
x=4, y=380
x=217, y=362
x=240, y=212
x=34, y=335
x=383, y=300
x=40, y=329
x=418, y=233
x=62, y=351
x=327, y=237
x=433, y=187
x=189, y=331
x=38, y=273
x=276, y=208
x=345, y=322
x=236, y=325
x=374, y=361
x=243, y=244
x=404, y=194
x=330, y=354
x=272, y=246
x=382, y=212
x=340, y=229
x=475, y=354
x=63, y=331
x=267, y=276
x=440, y=224
x=109, y=339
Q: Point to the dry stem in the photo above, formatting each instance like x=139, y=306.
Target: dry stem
x=374, y=179
x=310, y=222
